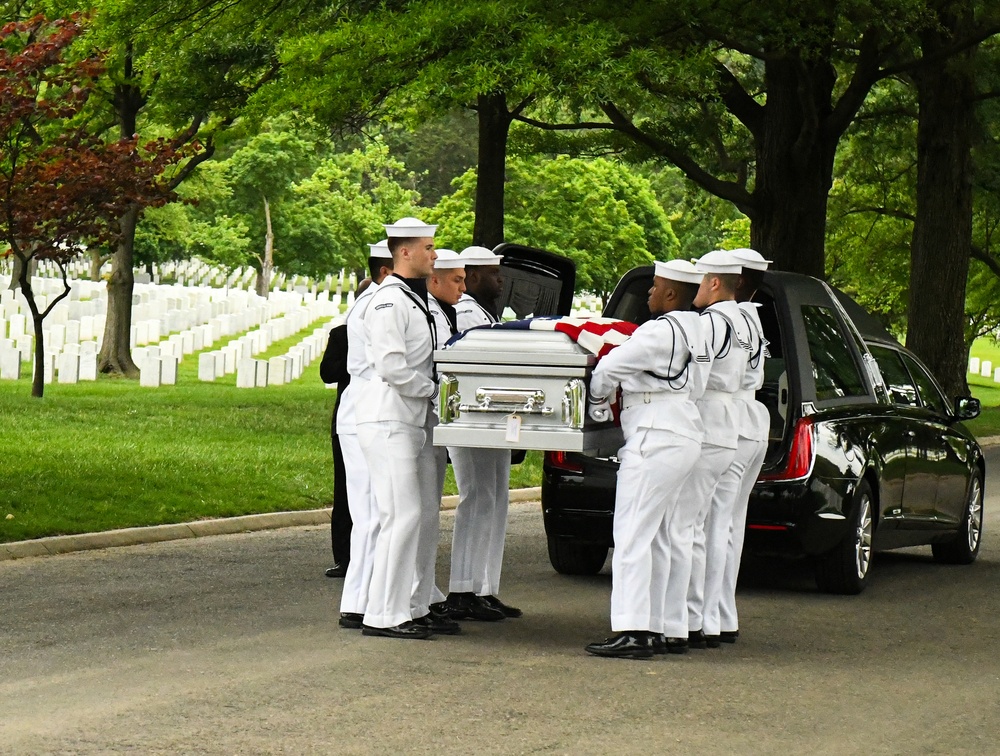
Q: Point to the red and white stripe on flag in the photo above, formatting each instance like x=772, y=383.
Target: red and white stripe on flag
x=597, y=335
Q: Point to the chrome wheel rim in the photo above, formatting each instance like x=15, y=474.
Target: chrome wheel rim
x=974, y=515
x=863, y=539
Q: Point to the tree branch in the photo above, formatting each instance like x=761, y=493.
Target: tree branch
x=61, y=297
x=866, y=73
x=580, y=125
x=986, y=258
x=728, y=190
x=886, y=211
x=975, y=37
x=738, y=101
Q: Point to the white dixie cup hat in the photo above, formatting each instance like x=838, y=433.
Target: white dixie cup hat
x=480, y=256
x=718, y=262
x=409, y=228
x=678, y=270
x=380, y=250
x=448, y=259
x=750, y=258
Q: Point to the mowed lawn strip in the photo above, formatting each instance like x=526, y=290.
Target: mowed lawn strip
x=111, y=454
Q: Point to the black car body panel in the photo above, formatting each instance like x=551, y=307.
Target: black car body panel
x=823, y=387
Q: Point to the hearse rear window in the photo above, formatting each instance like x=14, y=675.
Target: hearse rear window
x=835, y=371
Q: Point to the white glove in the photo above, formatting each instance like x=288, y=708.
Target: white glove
x=599, y=408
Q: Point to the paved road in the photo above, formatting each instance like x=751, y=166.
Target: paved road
x=229, y=645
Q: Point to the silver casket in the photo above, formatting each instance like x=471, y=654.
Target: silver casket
x=519, y=389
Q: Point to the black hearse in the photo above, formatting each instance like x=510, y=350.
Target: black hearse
x=865, y=451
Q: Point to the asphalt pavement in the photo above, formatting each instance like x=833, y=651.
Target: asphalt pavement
x=229, y=644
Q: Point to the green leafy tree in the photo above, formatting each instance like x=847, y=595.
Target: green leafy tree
x=261, y=175
x=601, y=214
x=340, y=208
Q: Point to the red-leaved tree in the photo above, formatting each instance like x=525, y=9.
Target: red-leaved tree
x=60, y=186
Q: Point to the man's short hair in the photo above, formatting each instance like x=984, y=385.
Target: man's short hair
x=395, y=242
x=686, y=292
x=729, y=280
x=751, y=280
x=375, y=265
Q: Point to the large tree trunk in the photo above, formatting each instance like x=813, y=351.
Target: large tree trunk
x=116, y=349
x=794, y=167
x=494, y=126
x=267, y=261
x=942, y=233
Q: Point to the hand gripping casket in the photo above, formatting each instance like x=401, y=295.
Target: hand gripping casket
x=518, y=389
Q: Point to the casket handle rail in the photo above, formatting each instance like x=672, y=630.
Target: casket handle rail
x=449, y=399
x=574, y=403
x=521, y=401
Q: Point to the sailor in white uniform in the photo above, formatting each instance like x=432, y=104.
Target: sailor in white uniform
x=482, y=475
x=445, y=287
x=360, y=495
x=727, y=335
x=658, y=370
x=720, y=602
x=395, y=422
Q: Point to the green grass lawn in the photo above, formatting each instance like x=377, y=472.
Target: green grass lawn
x=984, y=389
x=110, y=454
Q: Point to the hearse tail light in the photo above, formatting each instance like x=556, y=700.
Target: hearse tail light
x=800, y=456
x=557, y=459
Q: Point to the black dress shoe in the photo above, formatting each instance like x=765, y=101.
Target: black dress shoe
x=696, y=639
x=633, y=645
x=713, y=641
x=658, y=642
x=729, y=636
x=439, y=625
x=508, y=611
x=440, y=610
x=676, y=645
x=338, y=570
x=405, y=630
x=351, y=620
x=471, y=606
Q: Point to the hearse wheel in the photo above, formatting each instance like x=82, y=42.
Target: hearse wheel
x=845, y=569
x=572, y=558
x=965, y=547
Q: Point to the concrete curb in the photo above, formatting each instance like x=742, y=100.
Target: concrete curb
x=222, y=526
x=989, y=441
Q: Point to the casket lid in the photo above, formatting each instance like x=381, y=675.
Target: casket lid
x=501, y=346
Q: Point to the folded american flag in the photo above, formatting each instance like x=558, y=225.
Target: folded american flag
x=597, y=335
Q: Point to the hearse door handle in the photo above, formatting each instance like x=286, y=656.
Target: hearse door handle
x=911, y=434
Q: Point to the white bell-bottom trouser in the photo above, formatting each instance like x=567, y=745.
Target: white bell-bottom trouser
x=483, y=478
x=685, y=536
x=404, y=477
x=751, y=454
x=441, y=467
x=364, y=514
x=654, y=465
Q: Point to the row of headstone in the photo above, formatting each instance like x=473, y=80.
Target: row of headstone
x=282, y=369
x=189, y=273
x=984, y=368
x=77, y=362
x=587, y=305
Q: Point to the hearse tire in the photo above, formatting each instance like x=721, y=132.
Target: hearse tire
x=846, y=568
x=571, y=558
x=965, y=547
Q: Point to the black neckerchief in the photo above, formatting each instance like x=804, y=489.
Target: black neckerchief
x=452, y=315
x=418, y=291
x=417, y=286
x=486, y=309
